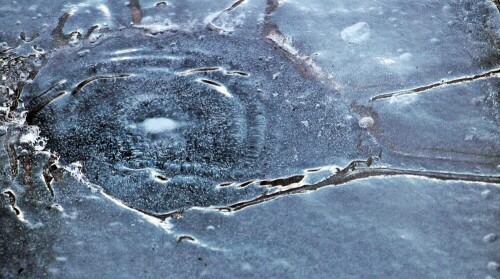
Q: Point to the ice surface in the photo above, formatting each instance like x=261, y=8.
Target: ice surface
x=249, y=139
x=235, y=122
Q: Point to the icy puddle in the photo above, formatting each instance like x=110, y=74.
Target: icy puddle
x=162, y=128
x=249, y=139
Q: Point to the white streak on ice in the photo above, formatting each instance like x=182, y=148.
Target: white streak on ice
x=166, y=226
x=159, y=125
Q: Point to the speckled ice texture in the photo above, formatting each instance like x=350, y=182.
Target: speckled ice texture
x=249, y=139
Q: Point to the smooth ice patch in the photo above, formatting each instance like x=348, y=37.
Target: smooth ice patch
x=356, y=33
x=159, y=125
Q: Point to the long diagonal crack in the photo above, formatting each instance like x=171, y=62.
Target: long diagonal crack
x=437, y=84
x=346, y=175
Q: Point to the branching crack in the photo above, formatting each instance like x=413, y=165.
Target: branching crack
x=343, y=177
x=437, y=84
x=348, y=174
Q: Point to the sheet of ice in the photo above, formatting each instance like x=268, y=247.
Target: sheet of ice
x=158, y=113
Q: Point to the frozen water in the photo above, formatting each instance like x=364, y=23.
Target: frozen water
x=227, y=118
x=249, y=139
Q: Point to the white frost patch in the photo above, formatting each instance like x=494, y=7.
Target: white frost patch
x=104, y=9
x=124, y=51
x=210, y=17
x=222, y=89
x=159, y=125
x=75, y=170
x=285, y=42
x=356, y=33
x=30, y=137
x=386, y=61
x=122, y=58
x=71, y=215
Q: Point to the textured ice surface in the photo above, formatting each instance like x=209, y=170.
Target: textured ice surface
x=235, y=121
x=249, y=139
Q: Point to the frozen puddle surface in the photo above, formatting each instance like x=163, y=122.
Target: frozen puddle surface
x=234, y=121
x=249, y=139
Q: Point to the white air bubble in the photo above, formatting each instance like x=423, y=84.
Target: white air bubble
x=159, y=125
x=366, y=122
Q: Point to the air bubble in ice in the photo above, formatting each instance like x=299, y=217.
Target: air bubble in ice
x=493, y=266
x=366, y=122
x=490, y=238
